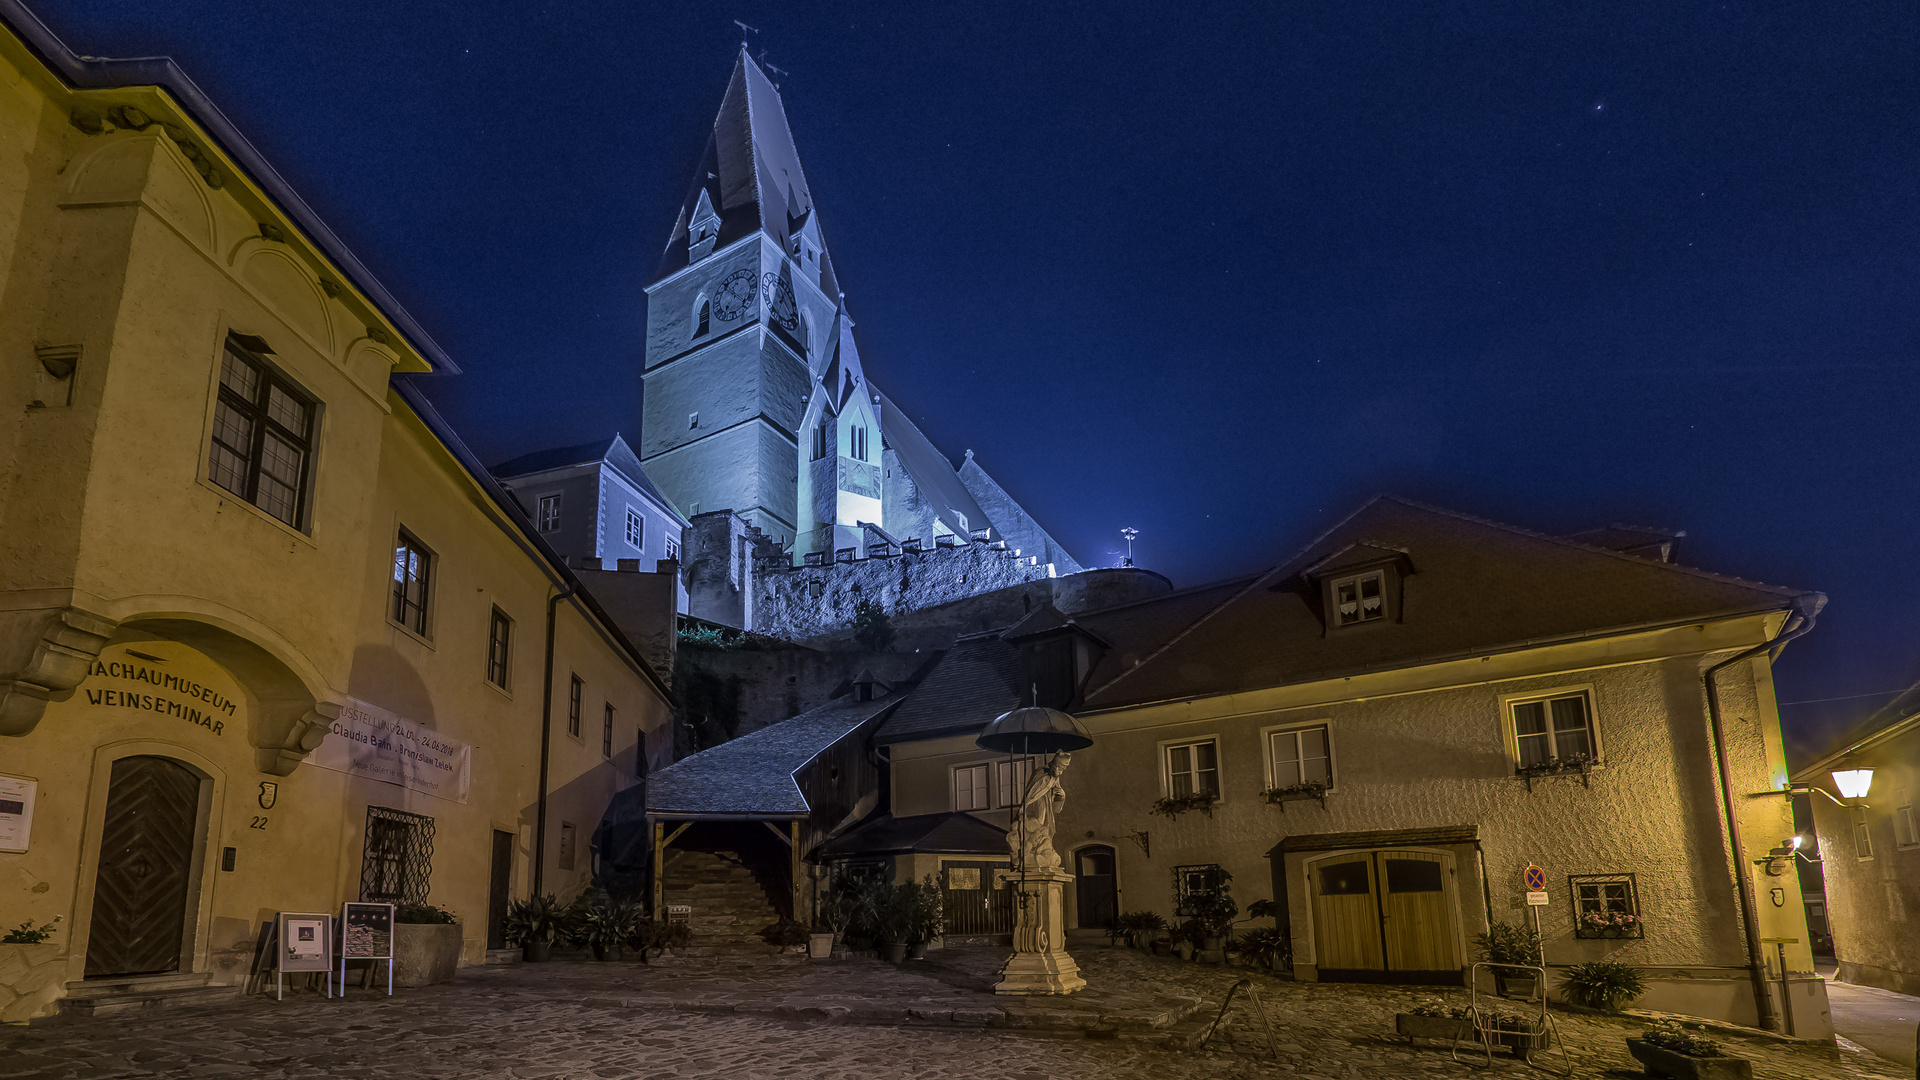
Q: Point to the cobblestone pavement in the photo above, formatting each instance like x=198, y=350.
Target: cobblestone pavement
x=722, y=1017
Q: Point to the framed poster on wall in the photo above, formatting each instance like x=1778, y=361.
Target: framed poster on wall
x=366, y=933
x=16, y=811
x=302, y=942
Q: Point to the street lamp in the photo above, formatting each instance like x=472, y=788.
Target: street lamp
x=1853, y=783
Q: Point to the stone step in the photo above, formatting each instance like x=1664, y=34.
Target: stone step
x=103, y=997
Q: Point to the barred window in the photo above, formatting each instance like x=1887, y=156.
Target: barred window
x=262, y=433
x=574, y=693
x=499, y=638
x=397, y=861
x=412, y=572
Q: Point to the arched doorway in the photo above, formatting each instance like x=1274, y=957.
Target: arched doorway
x=1095, y=887
x=148, y=842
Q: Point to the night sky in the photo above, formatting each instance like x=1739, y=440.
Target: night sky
x=1216, y=273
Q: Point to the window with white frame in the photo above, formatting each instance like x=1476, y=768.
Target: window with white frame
x=1010, y=780
x=1553, y=728
x=1862, y=834
x=970, y=787
x=673, y=548
x=1300, y=756
x=1361, y=598
x=1905, y=833
x=549, y=515
x=1193, y=768
x=636, y=528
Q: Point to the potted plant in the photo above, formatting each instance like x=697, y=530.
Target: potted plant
x=1672, y=1052
x=929, y=918
x=1212, y=917
x=1172, y=807
x=1433, y=1019
x=1520, y=1034
x=1516, y=948
x=1139, y=928
x=1309, y=789
x=895, y=922
x=426, y=945
x=608, y=923
x=1180, y=940
x=535, y=924
x=1602, y=984
x=1270, y=947
x=785, y=934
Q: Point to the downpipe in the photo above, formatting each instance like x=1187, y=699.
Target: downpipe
x=1799, y=624
x=546, y=744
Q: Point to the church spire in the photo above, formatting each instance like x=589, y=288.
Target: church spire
x=750, y=179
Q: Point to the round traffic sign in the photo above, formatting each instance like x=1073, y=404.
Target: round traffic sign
x=1536, y=878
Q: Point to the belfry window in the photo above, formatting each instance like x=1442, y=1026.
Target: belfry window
x=705, y=319
x=858, y=439
x=262, y=434
x=823, y=438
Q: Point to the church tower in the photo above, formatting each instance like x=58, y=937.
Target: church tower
x=754, y=397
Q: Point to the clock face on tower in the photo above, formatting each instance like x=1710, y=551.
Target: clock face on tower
x=734, y=298
x=778, y=294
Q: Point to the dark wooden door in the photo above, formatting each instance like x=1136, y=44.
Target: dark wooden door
x=1094, y=885
x=146, y=865
x=499, y=889
x=976, y=903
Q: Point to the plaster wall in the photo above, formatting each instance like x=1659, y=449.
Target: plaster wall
x=105, y=507
x=1873, y=890
x=1432, y=747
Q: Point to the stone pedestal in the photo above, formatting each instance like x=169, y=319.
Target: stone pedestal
x=1040, y=964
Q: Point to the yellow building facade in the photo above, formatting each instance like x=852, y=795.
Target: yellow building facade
x=231, y=531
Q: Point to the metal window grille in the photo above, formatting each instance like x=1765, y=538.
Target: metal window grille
x=1192, y=884
x=262, y=434
x=398, y=858
x=412, y=566
x=499, y=633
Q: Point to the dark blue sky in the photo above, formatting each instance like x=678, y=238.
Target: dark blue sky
x=1217, y=273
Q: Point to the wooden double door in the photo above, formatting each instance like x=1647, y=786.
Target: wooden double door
x=1385, y=916
x=142, y=891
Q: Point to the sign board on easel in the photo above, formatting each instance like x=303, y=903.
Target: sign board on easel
x=366, y=933
x=302, y=942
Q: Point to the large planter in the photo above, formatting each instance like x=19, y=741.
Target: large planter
x=425, y=953
x=819, y=946
x=537, y=952
x=1663, y=1062
x=1162, y=947
x=1444, y=1028
x=917, y=951
x=893, y=952
x=1521, y=983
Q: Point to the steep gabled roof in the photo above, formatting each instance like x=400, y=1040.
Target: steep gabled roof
x=1010, y=520
x=930, y=471
x=1476, y=587
x=613, y=452
x=750, y=172
x=754, y=775
x=977, y=680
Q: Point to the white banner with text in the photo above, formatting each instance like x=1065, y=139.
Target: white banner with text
x=372, y=742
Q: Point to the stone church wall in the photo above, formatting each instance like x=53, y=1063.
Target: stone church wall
x=804, y=602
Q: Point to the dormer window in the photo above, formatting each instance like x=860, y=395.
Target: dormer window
x=703, y=230
x=1360, y=598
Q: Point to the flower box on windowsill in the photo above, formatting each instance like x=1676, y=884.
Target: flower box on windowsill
x=1576, y=766
x=1308, y=791
x=1200, y=800
x=1622, y=926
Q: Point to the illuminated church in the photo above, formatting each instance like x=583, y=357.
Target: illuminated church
x=755, y=398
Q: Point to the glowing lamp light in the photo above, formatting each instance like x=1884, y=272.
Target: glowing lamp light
x=1853, y=783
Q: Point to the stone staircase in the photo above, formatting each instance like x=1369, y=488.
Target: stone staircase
x=729, y=904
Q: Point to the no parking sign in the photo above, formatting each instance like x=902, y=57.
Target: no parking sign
x=1536, y=882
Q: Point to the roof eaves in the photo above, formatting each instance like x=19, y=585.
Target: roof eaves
x=98, y=73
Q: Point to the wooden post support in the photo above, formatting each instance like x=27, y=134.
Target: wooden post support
x=795, y=843
x=659, y=869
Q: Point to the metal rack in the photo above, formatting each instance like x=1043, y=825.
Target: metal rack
x=1490, y=1026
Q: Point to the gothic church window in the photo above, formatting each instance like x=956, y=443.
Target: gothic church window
x=823, y=438
x=704, y=319
x=858, y=438
x=262, y=431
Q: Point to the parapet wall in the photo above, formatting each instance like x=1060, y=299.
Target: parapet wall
x=804, y=602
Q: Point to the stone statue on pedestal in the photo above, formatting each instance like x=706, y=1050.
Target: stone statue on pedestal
x=1040, y=964
x=1031, y=836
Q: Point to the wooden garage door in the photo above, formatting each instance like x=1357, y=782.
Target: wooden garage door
x=1385, y=916
x=1346, y=918
x=146, y=862
x=1413, y=906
